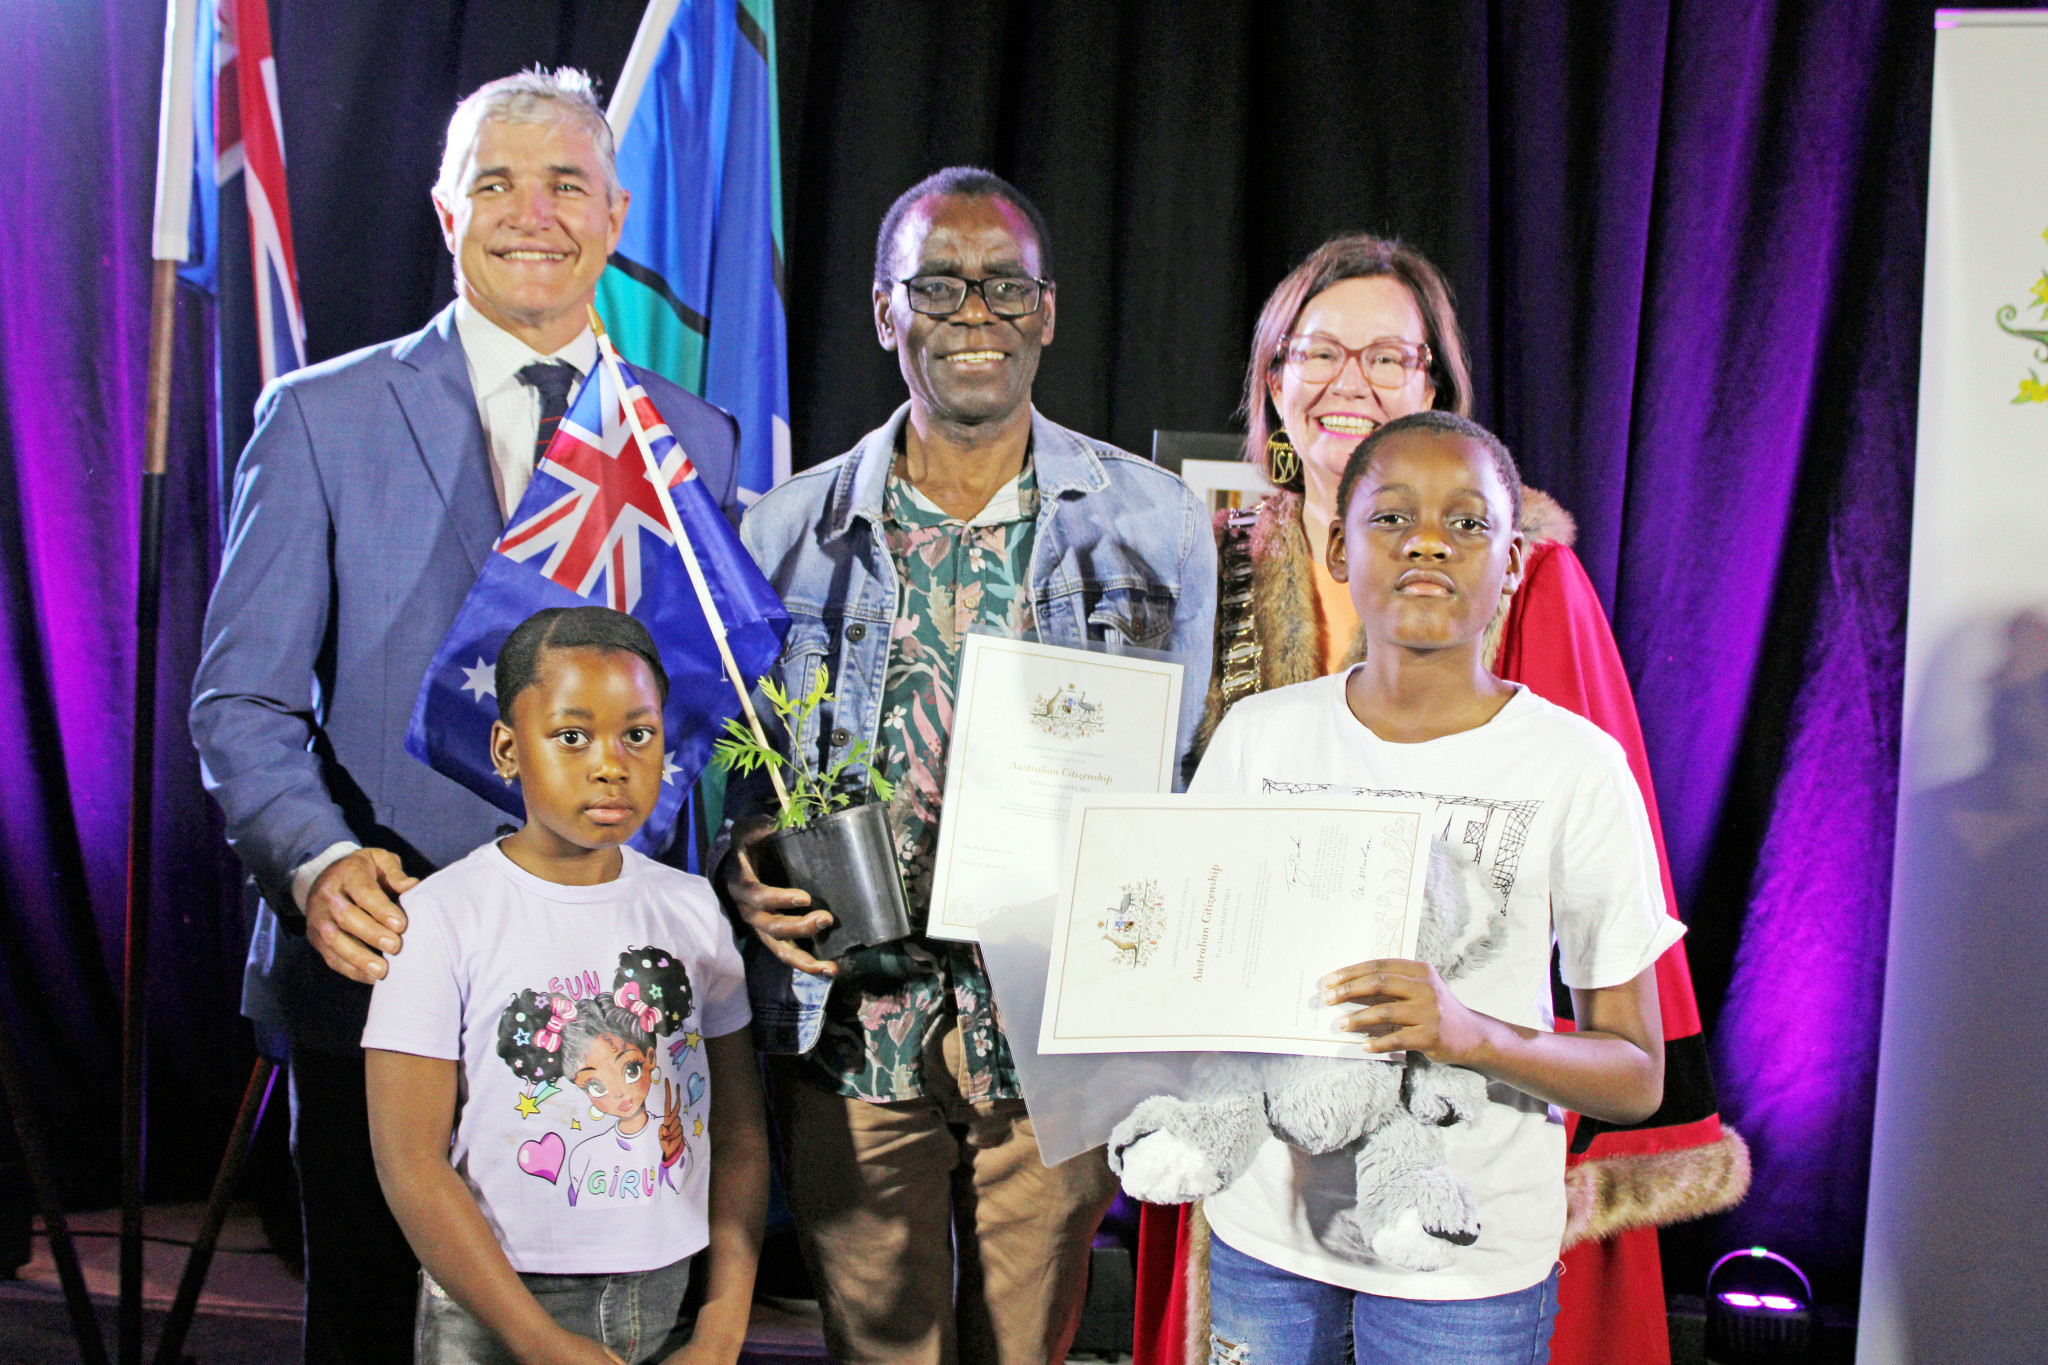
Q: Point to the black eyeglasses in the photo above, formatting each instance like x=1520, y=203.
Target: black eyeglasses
x=1006, y=296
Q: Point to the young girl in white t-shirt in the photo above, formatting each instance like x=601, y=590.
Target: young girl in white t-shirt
x=564, y=1105
x=1544, y=802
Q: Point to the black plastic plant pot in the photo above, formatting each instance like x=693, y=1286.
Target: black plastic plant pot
x=847, y=862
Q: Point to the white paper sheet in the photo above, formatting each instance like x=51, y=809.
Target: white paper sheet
x=1033, y=726
x=1075, y=1099
x=1190, y=923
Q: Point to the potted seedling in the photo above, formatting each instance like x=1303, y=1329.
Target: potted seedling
x=838, y=851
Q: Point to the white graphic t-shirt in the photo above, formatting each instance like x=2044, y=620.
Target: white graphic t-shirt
x=1544, y=803
x=579, y=1015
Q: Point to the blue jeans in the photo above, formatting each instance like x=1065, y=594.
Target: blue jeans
x=1262, y=1315
x=633, y=1314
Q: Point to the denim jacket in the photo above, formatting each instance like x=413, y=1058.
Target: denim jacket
x=1122, y=552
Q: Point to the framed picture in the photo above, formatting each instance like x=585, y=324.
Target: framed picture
x=1222, y=484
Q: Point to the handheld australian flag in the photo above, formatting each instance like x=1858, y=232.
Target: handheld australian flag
x=591, y=530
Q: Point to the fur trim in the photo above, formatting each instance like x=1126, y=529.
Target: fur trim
x=1544, y=519
x=1283, y=583
x=1284, y=621
x=1614, y=1194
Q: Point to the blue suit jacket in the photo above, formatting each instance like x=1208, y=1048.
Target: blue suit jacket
x=363, y=511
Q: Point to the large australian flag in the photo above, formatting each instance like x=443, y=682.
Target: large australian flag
x=591, y=530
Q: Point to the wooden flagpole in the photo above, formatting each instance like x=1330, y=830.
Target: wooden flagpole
x=168, y=248
x=689, y=553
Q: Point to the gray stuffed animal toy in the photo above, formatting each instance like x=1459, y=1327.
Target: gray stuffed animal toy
x=1410, y=1210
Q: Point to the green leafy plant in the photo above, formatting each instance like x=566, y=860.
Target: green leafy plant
x=812, y=793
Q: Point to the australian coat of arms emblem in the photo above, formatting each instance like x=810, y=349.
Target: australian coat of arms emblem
x=2032, y=389
x=1132, y=928
x=1066, y=713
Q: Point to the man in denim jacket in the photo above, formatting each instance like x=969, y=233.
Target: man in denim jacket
x=902, y=1120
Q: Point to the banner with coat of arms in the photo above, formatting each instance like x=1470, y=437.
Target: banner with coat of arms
x=1947, y=1198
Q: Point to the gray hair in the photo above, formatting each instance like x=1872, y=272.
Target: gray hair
x=533, y=96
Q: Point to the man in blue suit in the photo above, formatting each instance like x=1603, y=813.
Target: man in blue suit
x=364, y=507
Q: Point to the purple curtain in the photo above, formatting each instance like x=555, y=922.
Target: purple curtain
x=1687, y=243
x=1708, y=348
x=79, y=163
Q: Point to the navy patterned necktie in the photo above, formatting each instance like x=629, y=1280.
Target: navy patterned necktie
x=554, y=379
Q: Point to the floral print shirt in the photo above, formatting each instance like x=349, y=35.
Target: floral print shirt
x=954, y=575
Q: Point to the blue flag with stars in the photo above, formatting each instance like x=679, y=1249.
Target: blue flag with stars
x=591, y=530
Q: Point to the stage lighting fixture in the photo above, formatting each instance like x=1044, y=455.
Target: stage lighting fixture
x=1759, y=1310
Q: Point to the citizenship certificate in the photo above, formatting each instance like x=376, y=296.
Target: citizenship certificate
x=1033, y=726
x=1189, y=923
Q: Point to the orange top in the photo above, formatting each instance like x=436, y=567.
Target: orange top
x=1340, y=619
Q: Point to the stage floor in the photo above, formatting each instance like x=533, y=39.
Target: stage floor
x=249, y=1312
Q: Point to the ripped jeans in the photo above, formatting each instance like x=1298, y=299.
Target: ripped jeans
x=1260, y=1314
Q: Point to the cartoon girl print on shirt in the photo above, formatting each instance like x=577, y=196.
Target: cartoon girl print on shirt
x=604, y=1045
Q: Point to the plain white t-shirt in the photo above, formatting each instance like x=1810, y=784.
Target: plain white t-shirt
x=637, y=971
x=1544, y=802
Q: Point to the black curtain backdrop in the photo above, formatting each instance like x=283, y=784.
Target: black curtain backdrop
x=1686, y=243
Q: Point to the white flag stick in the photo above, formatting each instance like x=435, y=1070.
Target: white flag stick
x=689, y=553
x=647, y=41
x=168, y=236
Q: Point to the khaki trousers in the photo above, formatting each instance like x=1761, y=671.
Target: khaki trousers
x=884, y=1196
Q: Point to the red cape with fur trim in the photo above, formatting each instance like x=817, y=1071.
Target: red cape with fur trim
x=1623, y=1182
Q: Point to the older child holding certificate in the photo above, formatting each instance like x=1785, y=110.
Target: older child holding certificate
x=1544, y=803
x=574, y=1017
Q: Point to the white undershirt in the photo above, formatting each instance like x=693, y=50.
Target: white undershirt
x=509, y=408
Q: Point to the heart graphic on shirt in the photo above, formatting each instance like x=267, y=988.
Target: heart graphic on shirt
x=696, y=1087
x=544, y=1157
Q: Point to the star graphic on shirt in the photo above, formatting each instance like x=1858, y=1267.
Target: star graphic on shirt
x=480, y=681
x=692, y=1041
x=700, y=1129
x=669, y=768
x=576, y=1125
x=526, y=1107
